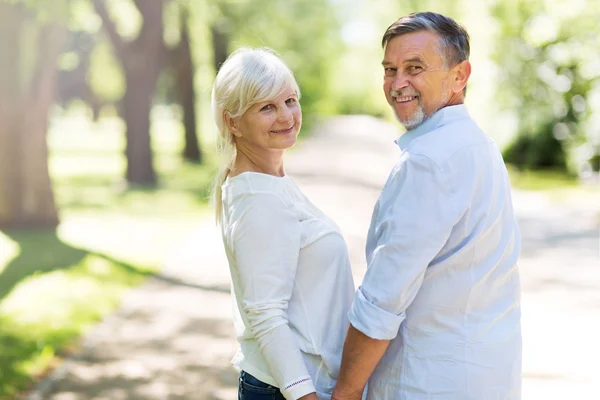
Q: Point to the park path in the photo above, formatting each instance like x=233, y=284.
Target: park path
x=173, y=339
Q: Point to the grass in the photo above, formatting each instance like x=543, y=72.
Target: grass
x=559, y=186
x=542, y=180
x=49, y=310
x=55, y=285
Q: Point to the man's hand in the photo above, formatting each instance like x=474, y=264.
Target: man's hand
x=360, y=357
x=339, y=395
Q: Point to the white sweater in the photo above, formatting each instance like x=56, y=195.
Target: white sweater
x=292, y=284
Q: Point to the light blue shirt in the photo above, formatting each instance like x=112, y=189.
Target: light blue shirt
x=442, y=281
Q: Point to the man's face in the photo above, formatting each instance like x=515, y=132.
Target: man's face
x=416, y=82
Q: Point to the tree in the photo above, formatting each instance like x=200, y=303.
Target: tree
x=73, y=82
x=142, y=60
x=183, y=69
x=548, y=73
x=29, y=47
x=220, y=31
x=305, y=33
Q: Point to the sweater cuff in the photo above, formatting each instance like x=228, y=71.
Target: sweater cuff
x=297, y=389
x=373, y=321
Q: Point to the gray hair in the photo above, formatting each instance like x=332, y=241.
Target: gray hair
x=454, y=39
x=247, y=77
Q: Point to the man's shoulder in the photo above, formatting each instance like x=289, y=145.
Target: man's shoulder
x=442, y=143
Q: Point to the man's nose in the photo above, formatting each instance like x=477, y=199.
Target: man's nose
x=400, y=82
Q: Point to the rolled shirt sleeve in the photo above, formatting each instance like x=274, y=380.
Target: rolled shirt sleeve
x=266, y=244
x=412, y=221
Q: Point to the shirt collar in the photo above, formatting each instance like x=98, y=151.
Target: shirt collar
x=437, y=120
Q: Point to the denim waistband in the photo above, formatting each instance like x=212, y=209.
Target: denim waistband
x=252, y=380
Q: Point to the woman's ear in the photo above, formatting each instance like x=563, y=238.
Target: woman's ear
x=232, y=124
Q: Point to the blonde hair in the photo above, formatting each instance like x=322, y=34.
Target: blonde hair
x=247, y=77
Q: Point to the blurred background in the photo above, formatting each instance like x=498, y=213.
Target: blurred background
x=107, y=146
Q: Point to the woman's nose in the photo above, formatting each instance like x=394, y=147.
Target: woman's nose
x=284, y=114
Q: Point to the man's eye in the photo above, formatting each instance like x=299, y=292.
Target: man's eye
x=390, y=71
x=414, y=68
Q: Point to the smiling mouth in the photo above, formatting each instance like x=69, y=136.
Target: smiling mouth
x=286, y=130
x=404, y=99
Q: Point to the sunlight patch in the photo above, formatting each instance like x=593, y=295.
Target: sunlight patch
x=9, y=249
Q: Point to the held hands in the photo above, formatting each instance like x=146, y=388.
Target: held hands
x=341, y=392
x=338, y=395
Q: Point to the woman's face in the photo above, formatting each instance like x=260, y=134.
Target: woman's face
x=270, y=125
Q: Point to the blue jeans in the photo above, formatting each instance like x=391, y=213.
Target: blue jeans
x=251, y=388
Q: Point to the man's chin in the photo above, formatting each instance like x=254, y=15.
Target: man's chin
x=411, y=123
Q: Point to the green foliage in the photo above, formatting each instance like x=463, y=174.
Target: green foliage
x=304, y=32
x=83, y=17
x=595, y=162
x=172, y=21
x=540, y=150
x=546, y=56
x=127, y=18
x=105, y=75
x=45, y=11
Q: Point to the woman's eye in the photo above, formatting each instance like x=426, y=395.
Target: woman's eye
x=267, y=107
x=291, y=100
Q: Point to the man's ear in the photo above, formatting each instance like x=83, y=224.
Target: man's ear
x=232, y=124
x=462, y=72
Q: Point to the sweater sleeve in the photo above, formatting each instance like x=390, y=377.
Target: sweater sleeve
x=266, y=244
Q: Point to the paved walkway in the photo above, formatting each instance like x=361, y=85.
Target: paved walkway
x=173, y=339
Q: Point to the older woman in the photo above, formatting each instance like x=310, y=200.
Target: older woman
x=292, y=283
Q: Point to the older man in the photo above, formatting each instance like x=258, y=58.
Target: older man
x=438, y=313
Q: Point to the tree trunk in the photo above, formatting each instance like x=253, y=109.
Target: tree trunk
x=220, y=41
x=11, y=23
x=142, y=61
x=184, y=71
x=26, y=197
x=137, y=104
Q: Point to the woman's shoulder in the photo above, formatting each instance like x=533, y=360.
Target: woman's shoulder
x=254, y=193
x=256, y=211
x=248, y=184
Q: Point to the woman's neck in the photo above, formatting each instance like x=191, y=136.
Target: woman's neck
x=247, y=161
